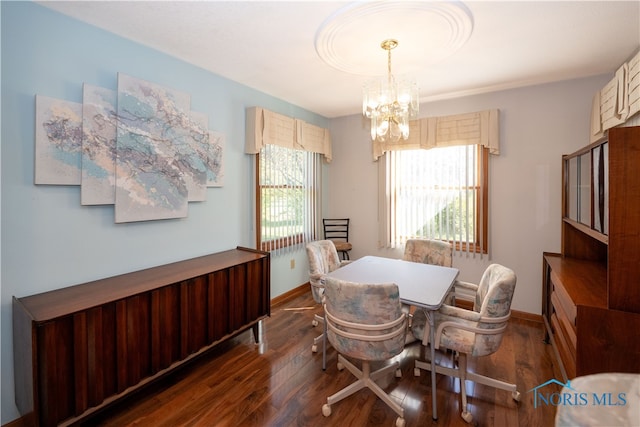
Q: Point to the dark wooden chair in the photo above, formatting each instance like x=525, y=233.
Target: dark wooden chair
x=337, y=230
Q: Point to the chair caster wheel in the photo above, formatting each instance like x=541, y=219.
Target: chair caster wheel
x=516, y=396
x=314, y=323
x=398, y=373
x=326, y=410
x=340, y=366
x=467, y=416
x=400, y=422
x=314, y=348
x=416, y=372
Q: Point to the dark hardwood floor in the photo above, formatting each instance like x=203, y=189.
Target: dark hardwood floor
x=280, y=382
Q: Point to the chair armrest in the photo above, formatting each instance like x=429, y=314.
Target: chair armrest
x=459, y=313
x=317, y=281
x=366, y=331
x=465, y=285
x=318, y=277
x=464, y=291
x=471, y=326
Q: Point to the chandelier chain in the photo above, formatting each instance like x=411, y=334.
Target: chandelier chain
x=389, y=64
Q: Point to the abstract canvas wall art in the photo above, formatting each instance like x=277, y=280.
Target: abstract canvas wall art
x=99, y=121
x=139, y=148
x=215, y=159
x=150, y=149
x=58, y=141
x=195, y=157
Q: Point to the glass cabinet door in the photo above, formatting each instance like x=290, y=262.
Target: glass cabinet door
x=584, y=195
x=587, y=188
x=601, y=188
x=572, y=188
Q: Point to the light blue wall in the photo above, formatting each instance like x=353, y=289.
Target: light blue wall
x=49, y=240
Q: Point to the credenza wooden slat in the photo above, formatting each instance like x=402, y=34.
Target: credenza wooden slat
x=81, y=360
x=219, y=320
x=96, y=357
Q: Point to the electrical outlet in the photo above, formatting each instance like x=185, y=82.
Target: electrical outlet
x=293, y=264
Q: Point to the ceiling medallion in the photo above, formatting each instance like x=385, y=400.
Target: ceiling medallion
x=430, y=31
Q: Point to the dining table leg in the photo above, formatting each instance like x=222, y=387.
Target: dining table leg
x=431, y=320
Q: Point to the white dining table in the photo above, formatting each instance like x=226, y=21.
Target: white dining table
x=421, y=285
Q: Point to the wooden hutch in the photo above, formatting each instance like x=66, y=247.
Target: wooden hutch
x=591, y=291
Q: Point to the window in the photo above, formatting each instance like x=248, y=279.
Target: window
x=440, y=193
x=287, y=197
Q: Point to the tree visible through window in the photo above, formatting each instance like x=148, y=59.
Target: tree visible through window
x=286, y=197
x=440, y=193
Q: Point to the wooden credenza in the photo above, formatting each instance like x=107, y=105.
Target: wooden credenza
x=79, y=349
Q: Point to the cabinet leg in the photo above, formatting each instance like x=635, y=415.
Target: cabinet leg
x=256, y=332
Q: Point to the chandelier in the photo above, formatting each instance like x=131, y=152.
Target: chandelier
x=390, y=104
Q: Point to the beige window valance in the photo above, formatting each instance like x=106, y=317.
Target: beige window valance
x=618, y=100
x=266, y=127
x=478, y=128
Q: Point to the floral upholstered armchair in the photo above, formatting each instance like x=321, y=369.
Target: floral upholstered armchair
x=426, y=251
x=323, y=259
x=476, y=332
x=365, y=322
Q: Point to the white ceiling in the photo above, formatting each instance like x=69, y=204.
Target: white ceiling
x=318, y=54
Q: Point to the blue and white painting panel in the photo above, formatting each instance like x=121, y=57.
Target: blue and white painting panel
x=195, y=154
x=99, y=121
x=58, y=141
x=153, y=123
x=215, y=159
